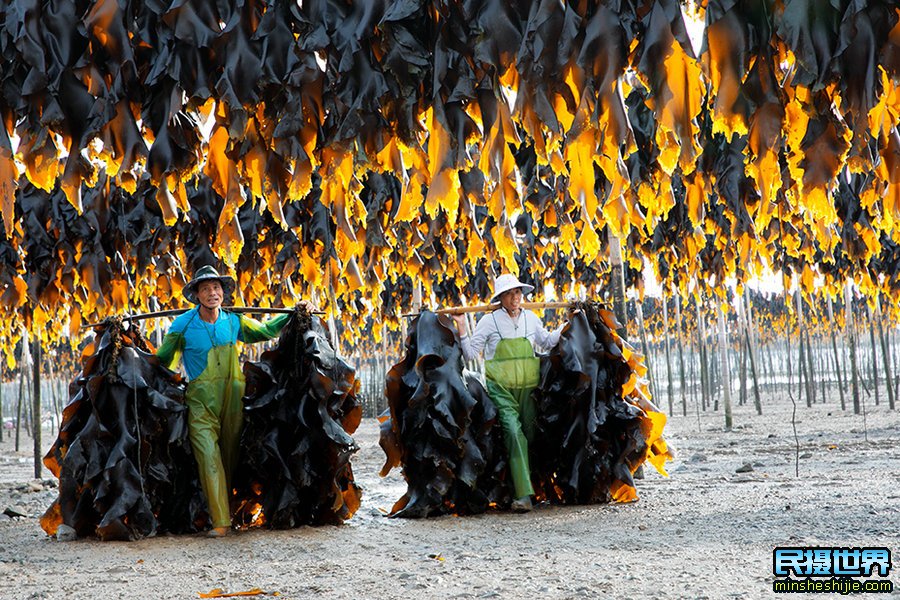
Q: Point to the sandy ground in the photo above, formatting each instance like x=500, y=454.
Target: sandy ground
x=704, y=532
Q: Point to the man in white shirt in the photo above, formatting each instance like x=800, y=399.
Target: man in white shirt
x=508, y=337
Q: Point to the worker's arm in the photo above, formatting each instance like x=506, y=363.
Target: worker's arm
x=543, y=338
x=473, y=345
x=253, y=331
x=169, y=353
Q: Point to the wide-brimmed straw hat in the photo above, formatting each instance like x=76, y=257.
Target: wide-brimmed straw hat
x=507, y=282
x=207, y=273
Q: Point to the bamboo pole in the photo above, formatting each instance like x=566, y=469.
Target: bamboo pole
x=617, y=274
x=805, y=360
x=701, y=343
x=382, y=379
x=757, y=402
x=874, y=362
x=680, y=354
x=723, y=360
x=694, y=386
x=809, y=364
x=61, y=397
x=822, y=368
x=36, y=366
x=665, y=311
x=179, y=311
x=154, y=304
x=462, y=310
x=752, y=349
x=837, y=369
x=742, y=364
x=332, y=324
x=885, y=354
x=801, y=371
x=51, y=395
x=29, y=397
x=22, y=363
x=786, y=357
x=717, y=372
x=642, y=332
x=851, y=340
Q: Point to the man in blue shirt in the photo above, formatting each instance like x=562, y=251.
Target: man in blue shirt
x=209, y=340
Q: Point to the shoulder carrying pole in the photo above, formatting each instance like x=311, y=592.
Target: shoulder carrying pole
x=179, y=311
x=461, y=310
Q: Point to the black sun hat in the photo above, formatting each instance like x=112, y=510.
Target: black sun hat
x=207, y=273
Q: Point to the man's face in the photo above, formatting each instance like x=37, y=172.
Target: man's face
x=210, y=294
x=511, y=299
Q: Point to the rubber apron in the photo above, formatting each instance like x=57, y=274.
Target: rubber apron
x=215, y=416
x=512, y=374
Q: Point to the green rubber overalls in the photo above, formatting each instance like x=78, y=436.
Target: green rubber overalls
x=213, y=398
x=215, y=414
x=511, y=376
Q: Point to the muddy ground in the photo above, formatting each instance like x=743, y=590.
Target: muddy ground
x=706, y=531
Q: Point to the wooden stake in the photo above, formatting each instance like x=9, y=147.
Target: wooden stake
x=646, y=349
x=36, y=365
x=680, y=354
x=805, y=359
x=723, y=360
x=851, y=340
x=752, y=344
x=885, y=354
x=618, y=283
x=705, y=387
x=332, y=325
x=665, y=311
x=874, y=362
x=22, y=364
x=837, y=360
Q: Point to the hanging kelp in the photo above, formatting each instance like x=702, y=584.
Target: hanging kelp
x=123, y=457
x=441, y=429
x=595, y=425
x=300, y=408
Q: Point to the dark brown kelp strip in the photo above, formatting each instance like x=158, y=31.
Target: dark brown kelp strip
x=123, y=456
x=441, y=429
x=300, y=408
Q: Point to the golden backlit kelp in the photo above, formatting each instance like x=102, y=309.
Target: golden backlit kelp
x=332, y=150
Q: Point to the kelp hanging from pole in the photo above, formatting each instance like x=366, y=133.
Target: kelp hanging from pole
x=441, y=142
x=300, y=409
x=442, y=430
x=123, y=456
x=595, y=424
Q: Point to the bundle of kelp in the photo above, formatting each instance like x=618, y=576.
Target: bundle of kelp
x=595, y=423
x=441, y=429
x=299, y=411
x=123, y=456
x=594, y=427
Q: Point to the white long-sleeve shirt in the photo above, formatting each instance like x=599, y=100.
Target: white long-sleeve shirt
x=493, y=327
